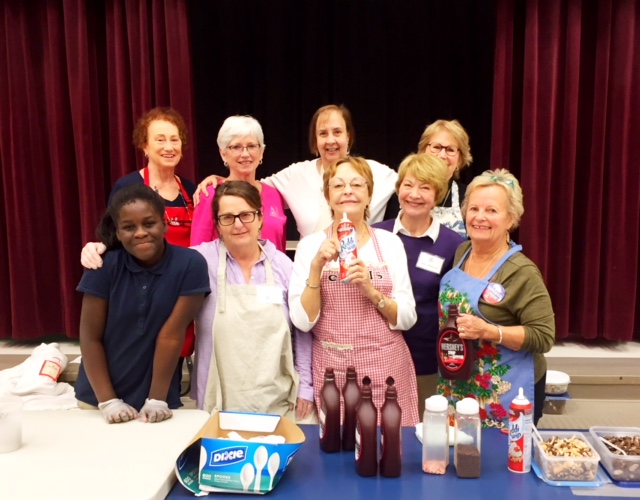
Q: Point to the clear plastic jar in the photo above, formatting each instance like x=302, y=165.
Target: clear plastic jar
x=467, y=450
x=435, y=435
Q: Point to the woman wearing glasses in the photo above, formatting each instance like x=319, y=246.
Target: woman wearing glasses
x=162, y=135
x=244, y=356
x=241, y=144
x=358, y=322
x=450, y=142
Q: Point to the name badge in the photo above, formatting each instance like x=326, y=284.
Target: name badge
x=270, y=294
x=430, y=262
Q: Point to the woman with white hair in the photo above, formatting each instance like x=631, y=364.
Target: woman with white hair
x=241, y=144
x=504, y=305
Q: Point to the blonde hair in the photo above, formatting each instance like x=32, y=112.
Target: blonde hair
x=428, y=169
x=507, y=181
x=360, y=165
x=458, y=133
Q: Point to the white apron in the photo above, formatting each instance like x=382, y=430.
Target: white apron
x=451, y=217
x=252, y=368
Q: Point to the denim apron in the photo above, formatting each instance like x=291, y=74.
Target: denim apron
x=498, y=371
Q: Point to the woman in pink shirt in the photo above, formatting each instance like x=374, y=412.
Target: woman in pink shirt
x=241, y=144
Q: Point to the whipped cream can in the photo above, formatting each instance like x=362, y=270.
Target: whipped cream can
x=520, y=429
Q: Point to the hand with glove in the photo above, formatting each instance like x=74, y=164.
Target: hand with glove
x=155, y=410
x=116, y=411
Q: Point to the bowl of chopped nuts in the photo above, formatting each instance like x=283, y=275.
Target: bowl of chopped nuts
x=565, y=456
x=621, y=455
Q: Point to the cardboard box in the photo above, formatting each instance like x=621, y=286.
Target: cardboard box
x=212, y=462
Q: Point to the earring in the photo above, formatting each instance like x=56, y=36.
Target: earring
x=226, y=164
x=260, y=163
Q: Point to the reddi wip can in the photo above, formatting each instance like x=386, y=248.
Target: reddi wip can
x=520, y=429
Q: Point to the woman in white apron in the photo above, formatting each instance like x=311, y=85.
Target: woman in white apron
x=359, y=322
x=504, y=302
x=450, y=142
x=244, y=347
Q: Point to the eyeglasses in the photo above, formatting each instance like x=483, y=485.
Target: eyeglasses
x=356, y=184
x=239, y=148
x=230, y=219
x=435, y=148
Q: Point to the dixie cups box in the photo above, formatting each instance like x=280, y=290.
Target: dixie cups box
x=248, y=462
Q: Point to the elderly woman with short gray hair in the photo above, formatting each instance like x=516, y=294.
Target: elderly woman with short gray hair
x=241, y=144
x=504, y=305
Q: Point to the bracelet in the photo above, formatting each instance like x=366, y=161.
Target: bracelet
x=500, y=332
x=313, y=286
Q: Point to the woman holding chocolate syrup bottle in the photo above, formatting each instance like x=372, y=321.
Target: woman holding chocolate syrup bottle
x=504, y=304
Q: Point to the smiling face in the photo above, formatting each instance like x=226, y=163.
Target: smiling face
x=239, y=233
x=332, y=139
x=445, y=139
x=416, y=198
x=164, y=147
x=348, y=193
x=488, y=218
x=141, y=231
x=241, y=161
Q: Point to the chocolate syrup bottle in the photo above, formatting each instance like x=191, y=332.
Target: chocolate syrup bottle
x=329, y=414
x=391, y=433
x=456, y=356
x=351, y=397
x=366, y=432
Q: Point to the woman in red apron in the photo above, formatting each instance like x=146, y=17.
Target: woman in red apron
x=161, y=134
x=358, y=322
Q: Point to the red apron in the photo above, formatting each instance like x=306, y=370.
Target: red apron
x=351, y=331
x=179, y=233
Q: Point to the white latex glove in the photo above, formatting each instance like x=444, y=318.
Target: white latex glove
x=155, y=410
x=90, y=256
x=116, y=411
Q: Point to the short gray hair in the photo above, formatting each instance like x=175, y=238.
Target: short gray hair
x=239, y=126
x=505, y=179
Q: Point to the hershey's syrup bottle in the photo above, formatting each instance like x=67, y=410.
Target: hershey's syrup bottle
x=329, y=414
x=351, y=397
x=456, y=356
x=391, y=433
x=366, y=432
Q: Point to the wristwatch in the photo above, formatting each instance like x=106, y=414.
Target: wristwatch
x=382, y=302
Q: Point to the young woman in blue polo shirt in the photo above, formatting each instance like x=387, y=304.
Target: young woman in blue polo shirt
x=135, y=311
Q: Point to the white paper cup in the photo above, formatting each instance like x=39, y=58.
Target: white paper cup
x=10, y=423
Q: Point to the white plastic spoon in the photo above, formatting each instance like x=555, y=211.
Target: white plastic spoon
x=246, y=476
x=606, y=441
x=259, y=460
x=272, y=467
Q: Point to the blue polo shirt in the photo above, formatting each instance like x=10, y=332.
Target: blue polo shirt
x=425, y=278
x=140, y=302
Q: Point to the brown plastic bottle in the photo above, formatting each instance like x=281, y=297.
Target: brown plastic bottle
x=366, y=432
x=351, y=397
x=329, y=414
x=391, y=433
x=456, y=356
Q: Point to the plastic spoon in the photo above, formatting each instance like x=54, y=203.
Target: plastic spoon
x=606, y=441
x=272, y=467
x=260, y=460
x=246, y=476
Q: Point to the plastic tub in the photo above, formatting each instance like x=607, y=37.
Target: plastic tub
x=619, y=467
x=556, y=383
x=574, y=468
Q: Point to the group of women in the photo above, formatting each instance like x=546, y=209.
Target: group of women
x=287, y=322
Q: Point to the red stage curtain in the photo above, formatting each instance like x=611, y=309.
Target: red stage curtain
x=76, y=74
x=566, y=120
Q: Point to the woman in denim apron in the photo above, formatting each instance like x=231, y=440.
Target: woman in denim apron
x=504, y=304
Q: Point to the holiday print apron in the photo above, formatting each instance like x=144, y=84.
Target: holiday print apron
x=451, y=216
x=251, y=367
x=498, y=371
x=178, y=221
x=352, y=332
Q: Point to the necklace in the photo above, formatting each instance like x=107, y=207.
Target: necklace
x=445, y=198
x=484, y=270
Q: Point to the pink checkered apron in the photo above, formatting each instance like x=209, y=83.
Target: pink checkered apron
x=352, y=332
